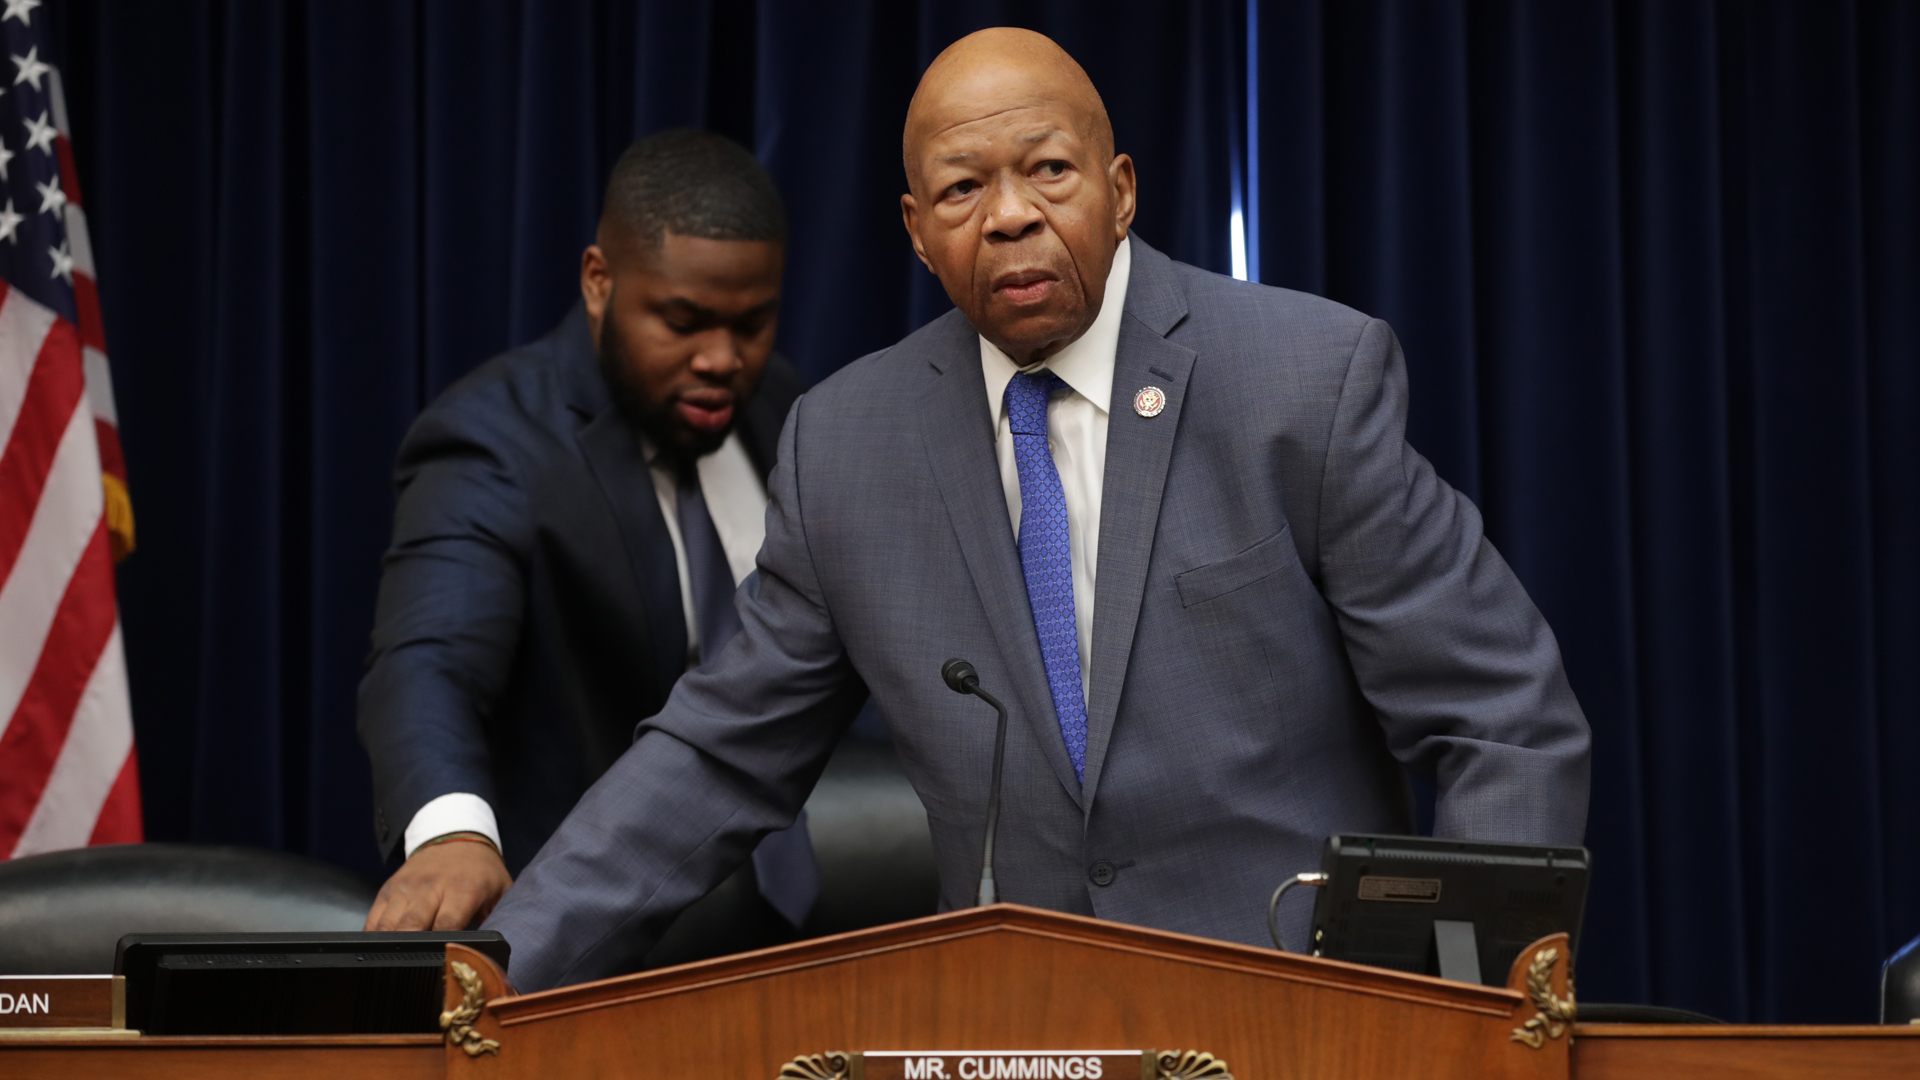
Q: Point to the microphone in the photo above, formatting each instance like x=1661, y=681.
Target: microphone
x=962, y=679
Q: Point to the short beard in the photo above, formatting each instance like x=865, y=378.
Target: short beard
x=679, y=445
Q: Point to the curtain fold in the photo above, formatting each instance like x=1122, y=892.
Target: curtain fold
x=247, y=722
x=1656, y=265
x=1676, y=344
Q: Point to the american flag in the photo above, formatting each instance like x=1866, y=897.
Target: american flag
x=67, y=774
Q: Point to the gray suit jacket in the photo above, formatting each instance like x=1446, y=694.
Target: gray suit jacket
x=1290, y=607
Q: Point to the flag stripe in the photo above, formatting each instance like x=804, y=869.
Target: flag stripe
x=23, y=326
x=31, y=744
x=100, y=385
x=30, y=598
x=89, y=761
x=86, y=300
x=53, y=392
x=79, y=243
x=119, y=821
x=69, y=176
x=57, y=97
x=112, y=460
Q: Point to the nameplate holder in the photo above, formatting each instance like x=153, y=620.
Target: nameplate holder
x=1007, y=1065
x=42, y=1005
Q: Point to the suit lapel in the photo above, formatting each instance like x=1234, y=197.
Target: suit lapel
x=958, y=430
x=1138, y=450
x=614, y=456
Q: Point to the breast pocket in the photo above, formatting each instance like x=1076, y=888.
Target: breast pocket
x=1216, y=579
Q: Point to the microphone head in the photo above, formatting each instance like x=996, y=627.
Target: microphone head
x=960, y=676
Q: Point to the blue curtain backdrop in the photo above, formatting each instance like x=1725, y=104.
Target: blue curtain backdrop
x=1656, y=265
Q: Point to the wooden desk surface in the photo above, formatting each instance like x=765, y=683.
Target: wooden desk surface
x=241, y=1057
x=1743, y=1052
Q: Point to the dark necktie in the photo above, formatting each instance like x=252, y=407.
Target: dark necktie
x=1046, y=556
x=707, y=570
x=783, y=863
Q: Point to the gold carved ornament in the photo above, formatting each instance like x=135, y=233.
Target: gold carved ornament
x=1190, y=1065
x=832, y=1065
x=1554, y=1013
x=457, y=1022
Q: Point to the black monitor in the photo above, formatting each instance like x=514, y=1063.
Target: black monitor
x=291, y=984
x=1454, y=908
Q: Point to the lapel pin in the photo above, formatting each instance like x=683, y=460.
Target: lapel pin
x=1150, y=402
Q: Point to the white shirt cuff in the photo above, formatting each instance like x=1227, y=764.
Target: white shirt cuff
x=457, y=812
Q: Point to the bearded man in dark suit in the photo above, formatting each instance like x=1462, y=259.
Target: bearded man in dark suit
x=573, y=519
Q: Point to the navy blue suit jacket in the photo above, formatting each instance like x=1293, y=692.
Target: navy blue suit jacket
x=1292, y=610
x=529, y=611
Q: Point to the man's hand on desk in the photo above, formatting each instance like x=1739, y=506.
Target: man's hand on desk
x=446, y=884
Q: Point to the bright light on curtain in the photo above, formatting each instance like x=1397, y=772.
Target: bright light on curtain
x=1237, y=242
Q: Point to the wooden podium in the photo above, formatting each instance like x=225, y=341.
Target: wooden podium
x=1007, y=993
x=1008, y=978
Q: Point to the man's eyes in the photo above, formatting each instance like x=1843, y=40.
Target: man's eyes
x=1046, y=170
x=745, y=328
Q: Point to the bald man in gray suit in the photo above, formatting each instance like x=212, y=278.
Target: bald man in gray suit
x=1171, y=518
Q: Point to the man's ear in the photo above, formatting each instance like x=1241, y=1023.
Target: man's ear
x=909, y=215
x=1121, y=180
x=596, y=285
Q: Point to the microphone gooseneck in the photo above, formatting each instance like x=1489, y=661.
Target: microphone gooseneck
x=961, y=677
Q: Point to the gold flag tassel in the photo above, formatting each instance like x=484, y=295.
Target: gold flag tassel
x=119, y=516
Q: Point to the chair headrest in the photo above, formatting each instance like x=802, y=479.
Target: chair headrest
x=63, y=912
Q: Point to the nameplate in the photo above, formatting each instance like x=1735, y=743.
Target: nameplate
x=1007, y=1065
x=39, y=1002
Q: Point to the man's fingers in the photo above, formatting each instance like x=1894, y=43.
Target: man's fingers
x=408, y=905
x=419, y=912
x=456, y=910
x=449, y=919
x=377, y=911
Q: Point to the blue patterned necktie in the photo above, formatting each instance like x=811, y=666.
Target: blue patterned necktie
x=1046, y=556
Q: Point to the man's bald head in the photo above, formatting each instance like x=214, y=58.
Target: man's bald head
x=1016, y=198
x=1002, y=66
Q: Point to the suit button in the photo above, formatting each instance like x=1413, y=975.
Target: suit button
x=1101, y=873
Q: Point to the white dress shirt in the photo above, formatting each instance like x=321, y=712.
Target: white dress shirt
x=1076, y=433
x=737, y=503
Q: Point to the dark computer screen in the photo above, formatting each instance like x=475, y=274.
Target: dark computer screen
x=1385, y=893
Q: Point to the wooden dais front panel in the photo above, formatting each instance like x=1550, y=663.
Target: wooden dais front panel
x=1744, y=1052
x=234, y=1057
x=1010, y=978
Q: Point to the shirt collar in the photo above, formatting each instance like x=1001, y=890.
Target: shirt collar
x=649, y=453
x=1086, y=365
